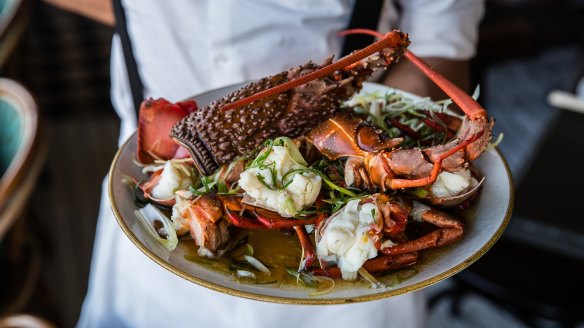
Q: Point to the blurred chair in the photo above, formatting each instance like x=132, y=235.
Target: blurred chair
x=21, y=158
x=20, y=155
x=13, y=21
x=534, y=273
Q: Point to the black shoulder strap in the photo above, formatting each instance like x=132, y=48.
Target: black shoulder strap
x=136, y=86
x=366, y=14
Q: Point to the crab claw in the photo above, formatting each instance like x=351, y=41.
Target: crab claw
x=157, y=116
x=307, y=248
x=379, y=264
x=449, y=230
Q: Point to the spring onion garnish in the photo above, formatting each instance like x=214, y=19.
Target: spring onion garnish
x=279, y=180
x=235, y=265
x=477, y=92
x=286, y=181
x=370, y=279
x=158, y=226
x=128, y=181
x=208, y=183
x=257, y=264
x=292, y=150
x=385, y=109
x=338, y=202
x=303, y=278
x=263, y=155
x=260, y=161
x=495, y=143
x=222, y=187
x=271, y=186
x=245, y=274
x=216, y=183
x=418, y=192
x=245, y=249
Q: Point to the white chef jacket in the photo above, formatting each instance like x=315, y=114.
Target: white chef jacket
x=185, y=47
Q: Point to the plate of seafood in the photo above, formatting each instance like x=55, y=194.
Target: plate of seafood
x=314, y=186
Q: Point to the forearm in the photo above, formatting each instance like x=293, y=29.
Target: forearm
x=98, y=10
x=407, y=77
x=444, y=34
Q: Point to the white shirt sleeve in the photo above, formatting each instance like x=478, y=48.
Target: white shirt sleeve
x=442, y=28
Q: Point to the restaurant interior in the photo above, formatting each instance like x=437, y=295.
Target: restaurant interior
x=58, y=139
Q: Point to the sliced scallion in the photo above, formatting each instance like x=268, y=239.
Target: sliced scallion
x=303, y=278
x=257, y=264
x=370, y=279
x=245, y=274
x=292, y=150
x=158, y=226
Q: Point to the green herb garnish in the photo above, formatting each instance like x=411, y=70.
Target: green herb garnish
x=303, y=278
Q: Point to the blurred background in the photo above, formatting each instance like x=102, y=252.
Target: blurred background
x=530, y=66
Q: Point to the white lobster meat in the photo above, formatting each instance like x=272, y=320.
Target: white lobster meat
x=345, y=239
x=299, y=191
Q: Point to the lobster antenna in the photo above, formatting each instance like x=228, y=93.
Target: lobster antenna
x=391, y=39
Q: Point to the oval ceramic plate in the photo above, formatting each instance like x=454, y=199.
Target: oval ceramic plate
x=485, y=223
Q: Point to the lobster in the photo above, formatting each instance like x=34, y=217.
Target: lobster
x=284, y=105
x=290, y=104
x=380, y=226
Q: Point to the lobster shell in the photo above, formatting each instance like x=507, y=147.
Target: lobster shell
x=215, y=137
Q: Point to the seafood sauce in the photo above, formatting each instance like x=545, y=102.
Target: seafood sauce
x=282, y=252
x=276, y=250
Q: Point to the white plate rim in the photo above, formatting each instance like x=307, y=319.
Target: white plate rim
x=309, y=300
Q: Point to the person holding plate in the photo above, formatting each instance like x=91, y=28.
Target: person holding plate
x=176, y=49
